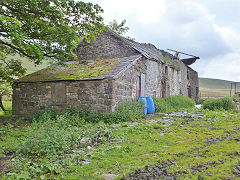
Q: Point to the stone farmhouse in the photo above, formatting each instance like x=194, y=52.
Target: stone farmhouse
x=109, y=70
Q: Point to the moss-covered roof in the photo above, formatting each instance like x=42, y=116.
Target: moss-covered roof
x=73, y=70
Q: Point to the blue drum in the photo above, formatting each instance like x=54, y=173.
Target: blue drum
x=143, y=99
x=150, y=105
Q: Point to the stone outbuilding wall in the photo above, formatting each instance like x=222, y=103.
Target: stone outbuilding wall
x=103, y=95
x=31, y=97
x=141, y=70
x=108, y=45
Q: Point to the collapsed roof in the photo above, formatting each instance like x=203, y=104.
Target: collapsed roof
x=111, y=60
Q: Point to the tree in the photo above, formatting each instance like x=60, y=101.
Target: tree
x=120, y=28
x=40, y=29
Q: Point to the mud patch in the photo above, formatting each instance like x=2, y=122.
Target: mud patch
x=158, y=171
x=4, y=164
x=236, y=170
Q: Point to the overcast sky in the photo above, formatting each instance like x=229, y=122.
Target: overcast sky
x=206, y=28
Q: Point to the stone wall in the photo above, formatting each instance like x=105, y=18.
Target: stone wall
x=104, y=95
x=31, y=97
x=106, y=45
x=193, y=84
x=126, y=86
x=177, y=82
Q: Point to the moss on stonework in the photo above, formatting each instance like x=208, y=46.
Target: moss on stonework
x=73, y=70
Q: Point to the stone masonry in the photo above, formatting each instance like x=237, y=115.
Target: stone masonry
x=122, y=83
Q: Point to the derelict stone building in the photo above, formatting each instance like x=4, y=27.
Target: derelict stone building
x=109, y=70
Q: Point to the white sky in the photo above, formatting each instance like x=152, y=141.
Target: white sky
x=206, y=28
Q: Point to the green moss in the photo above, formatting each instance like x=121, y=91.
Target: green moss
x=75, y=70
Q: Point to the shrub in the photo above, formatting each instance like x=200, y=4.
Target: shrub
x=172, y=103
x=50, y=137
x=161, y=106
x=43, y=116
x=236, y=99
x=125, y=111
x=129, y=110
x=199, y=101
x=219, y=104
x=179, y=102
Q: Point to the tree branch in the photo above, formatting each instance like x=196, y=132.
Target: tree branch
x=19, y=50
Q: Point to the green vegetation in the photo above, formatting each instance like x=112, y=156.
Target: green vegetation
x=44, y=29
x=171, y=62
x=40, y=30
x=73, y=70
x=226, y=103
x=65, y=146
x=214, y=83
x=8, y=107
x=119, y=28
x=175, y=65
x=173, y=103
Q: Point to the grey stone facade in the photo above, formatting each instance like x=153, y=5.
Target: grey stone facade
x=103, y=93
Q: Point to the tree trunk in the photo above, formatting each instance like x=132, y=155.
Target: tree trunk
x=1, y=105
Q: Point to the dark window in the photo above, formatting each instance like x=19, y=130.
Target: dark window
x=166, y=70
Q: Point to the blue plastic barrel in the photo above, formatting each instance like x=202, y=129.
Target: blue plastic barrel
x=143, y=99
x=150, y=105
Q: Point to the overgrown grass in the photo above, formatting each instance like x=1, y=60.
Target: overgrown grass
x=219, y=104
x=173, y=103
x=73, y=149
x=125, y=111
x=77, y=144
x=8, y=106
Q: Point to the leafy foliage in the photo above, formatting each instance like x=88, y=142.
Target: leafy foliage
x=219, y=104
x=161, y=105
x=120, y=28
x=193, y=148
x=173, y=103
x=47, y=28
x=50, y=137
x=8, y=107
x=42, y=29
x=199, y=101
x=180, y=102
x=126, y=111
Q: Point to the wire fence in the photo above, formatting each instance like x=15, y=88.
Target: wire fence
x=207, y=96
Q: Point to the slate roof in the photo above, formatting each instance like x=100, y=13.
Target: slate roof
x=82, y=70
x=97, y=69
x=149, y=51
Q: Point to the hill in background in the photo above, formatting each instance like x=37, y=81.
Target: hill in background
x=215, y=87
x=29, y=65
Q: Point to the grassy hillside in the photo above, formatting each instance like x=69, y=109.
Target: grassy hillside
x=214, y=83
x=215, y=87
x=30, y=65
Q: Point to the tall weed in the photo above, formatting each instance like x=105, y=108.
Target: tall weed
x=173, y=103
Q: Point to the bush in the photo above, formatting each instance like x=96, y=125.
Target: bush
x=219, y=104
x=178, y=102
x=236, y=99
x=161, y=106
x=125, y=111
x=173, y=103
x=129, y=110
x=199, y=101
x=50, y=137
x=53, y=133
